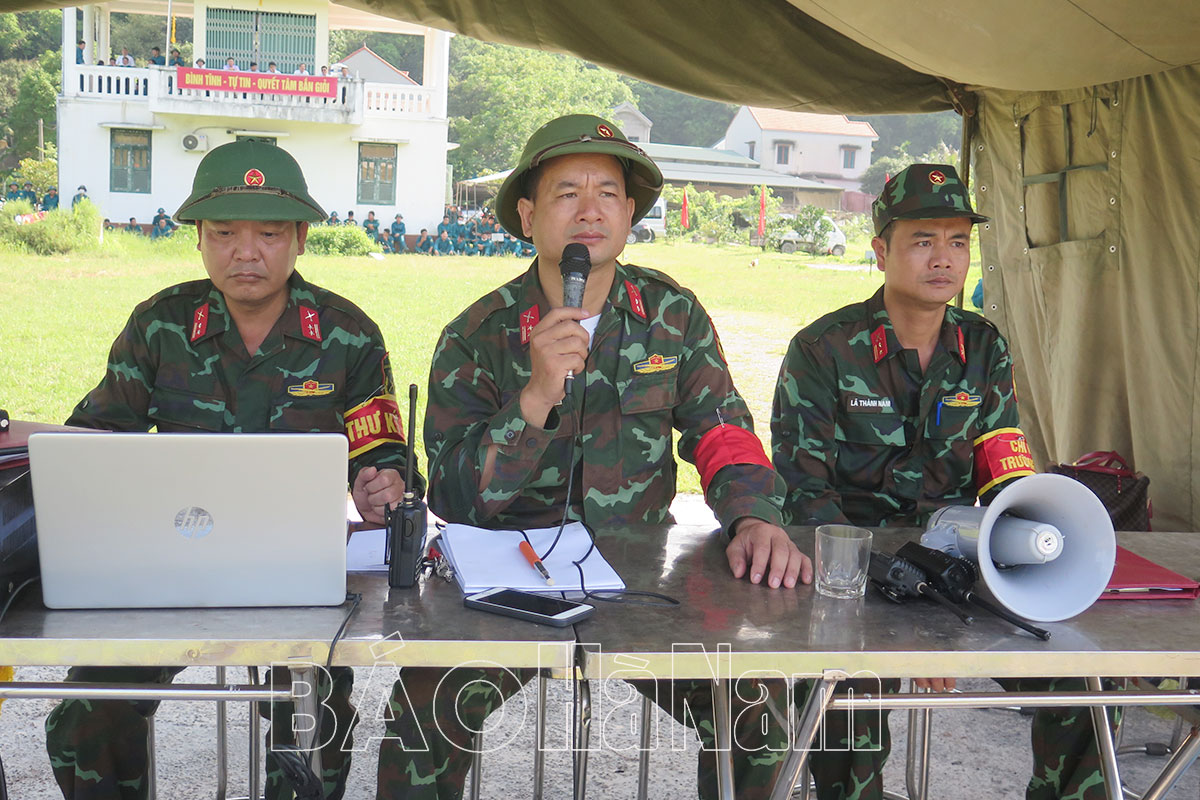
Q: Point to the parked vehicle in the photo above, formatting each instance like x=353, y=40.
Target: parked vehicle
x=652, y=225
x=834, y=241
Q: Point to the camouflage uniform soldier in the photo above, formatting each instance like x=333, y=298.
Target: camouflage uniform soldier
x=500, y=443
x=889, y=409
x=253, y=348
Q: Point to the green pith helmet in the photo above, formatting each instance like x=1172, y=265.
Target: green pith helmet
x=249, y=180
x=579, y=133
x=923, y=191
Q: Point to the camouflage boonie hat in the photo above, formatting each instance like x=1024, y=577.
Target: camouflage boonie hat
x=579, y=133
x=250, y=180
x=923, y=191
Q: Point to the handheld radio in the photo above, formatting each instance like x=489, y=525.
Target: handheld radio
x=406, y=523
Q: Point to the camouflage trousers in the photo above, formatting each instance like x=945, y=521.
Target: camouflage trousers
x=848, y=756
x=98, y=748
x=435, y=715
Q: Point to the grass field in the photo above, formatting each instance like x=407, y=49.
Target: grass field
x=59, y=315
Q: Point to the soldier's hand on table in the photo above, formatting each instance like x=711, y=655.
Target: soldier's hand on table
x=761, y=549
x=558, y=344
x=373, y=488
x=934, y=684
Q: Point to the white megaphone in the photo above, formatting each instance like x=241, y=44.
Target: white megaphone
x=1045, y=548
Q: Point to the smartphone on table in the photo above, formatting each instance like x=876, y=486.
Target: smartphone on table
x=529, y=606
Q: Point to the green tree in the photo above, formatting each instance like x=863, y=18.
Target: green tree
x=140, y=32
x=498, y=95
x=914, y=133
x=42, y=173
x=26, y=34
x=35, y=100
x=404, y=52
x=681, y=118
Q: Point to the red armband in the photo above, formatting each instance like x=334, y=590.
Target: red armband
x=725, y=445
x=1000, y=455
x=372, y=423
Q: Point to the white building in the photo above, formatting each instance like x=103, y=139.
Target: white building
x=134, y=136
x=826, y=147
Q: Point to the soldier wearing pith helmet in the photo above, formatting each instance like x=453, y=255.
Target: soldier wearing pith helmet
x=252, y=347
x=891, y=408
x=503, y=436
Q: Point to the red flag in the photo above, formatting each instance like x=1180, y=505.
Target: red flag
x=683, y=215
x=762, y=210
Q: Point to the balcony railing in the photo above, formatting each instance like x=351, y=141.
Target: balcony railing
x=158, y=87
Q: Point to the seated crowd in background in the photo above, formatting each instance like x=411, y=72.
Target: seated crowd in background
x=480, y=235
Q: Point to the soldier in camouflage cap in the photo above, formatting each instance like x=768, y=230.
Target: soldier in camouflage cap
x=923, y=191
x=891, y=408
x=503, y=438
x=251, y=348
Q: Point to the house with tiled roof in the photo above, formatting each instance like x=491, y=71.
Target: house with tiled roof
x=826, y=147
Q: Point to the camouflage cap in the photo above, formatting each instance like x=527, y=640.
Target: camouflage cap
x=923, y=191
x=249, y=180
x=579, y=133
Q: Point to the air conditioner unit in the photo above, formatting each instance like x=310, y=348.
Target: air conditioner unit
x=194, y=141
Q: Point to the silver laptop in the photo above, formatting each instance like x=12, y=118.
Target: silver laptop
x=161, y=520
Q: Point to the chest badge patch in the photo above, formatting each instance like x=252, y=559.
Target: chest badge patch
x=310, y=389
x=961, y=400
x=656, y=363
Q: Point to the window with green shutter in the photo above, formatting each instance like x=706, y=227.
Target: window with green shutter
x=261, y=36
x=377, y=173
x=130, y=169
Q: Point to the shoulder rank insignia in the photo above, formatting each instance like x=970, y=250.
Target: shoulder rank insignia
x=961, y=400
x=656, y=363
x=879, y=348
x=310, y=389
x=310, y=323
x=530, y=317
x=635, y=299
x=200, y=322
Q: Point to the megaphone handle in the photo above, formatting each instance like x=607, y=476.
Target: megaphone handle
x=1008, y=616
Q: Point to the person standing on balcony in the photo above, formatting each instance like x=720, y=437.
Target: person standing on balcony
x=272, y=68
x=199, y=63
x=156, y=57
x=302, y=70
x=79, y=51
x=176, y=59
x=231, y=65
x=125, y=60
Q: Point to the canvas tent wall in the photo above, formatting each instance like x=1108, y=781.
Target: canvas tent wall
x=1096, y=283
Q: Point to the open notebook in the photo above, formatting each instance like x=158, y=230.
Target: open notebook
x=483, y=559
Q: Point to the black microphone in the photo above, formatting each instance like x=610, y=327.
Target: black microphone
x=575, y=265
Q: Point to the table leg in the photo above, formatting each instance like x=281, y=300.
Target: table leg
x=916, y=773
x=810, y=720
x=644, y=749
x=309, y=705
x=1108, y=753
x=1182, y=758
x=476, y=766
x=222, y=730
x=151, y=761
x=255, y=754
x=539, y=751
x=585, y=735
x=724, y=738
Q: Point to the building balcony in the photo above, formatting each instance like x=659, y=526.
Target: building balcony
x=355, y=101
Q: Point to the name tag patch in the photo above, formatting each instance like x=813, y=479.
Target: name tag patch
x=869, y=405
x=656, y=363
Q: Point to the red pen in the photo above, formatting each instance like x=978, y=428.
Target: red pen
x=532, y=557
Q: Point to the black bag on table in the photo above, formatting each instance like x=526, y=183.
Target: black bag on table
x=1125, y=493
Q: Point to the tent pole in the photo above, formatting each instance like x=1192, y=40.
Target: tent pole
x=964, y=171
